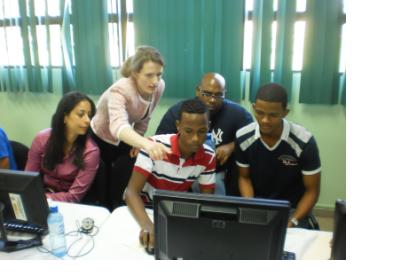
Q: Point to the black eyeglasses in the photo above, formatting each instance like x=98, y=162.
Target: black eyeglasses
x=217, y=95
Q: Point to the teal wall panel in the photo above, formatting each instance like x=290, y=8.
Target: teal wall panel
x=194, y=37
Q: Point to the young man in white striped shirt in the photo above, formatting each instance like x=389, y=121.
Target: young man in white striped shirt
x=190, y=159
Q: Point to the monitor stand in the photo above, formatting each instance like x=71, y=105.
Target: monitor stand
x=11, y=246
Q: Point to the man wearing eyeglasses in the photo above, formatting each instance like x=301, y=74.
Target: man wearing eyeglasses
x=226, y=117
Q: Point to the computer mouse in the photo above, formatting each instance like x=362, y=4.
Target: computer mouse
x=150, y=251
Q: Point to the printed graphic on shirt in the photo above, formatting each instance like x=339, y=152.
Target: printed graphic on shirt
x=288, y=160
x=217, y=136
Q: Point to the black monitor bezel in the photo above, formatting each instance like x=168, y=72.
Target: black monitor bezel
x=204, y=199
x=338, y=251
x=32, y=195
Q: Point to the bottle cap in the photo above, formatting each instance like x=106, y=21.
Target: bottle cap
x=54, y=209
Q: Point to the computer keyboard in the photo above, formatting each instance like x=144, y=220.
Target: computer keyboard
x=18, y=241
x=28, y=228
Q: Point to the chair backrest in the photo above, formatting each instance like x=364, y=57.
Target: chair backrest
x=20, y=152
x=120, y=175
x=313, y=223
x=97, y=193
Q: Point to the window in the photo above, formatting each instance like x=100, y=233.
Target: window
x=119, y=40
x=44, y=8
x=11, y=50
x=273, y=45
x=45, y=39
x=248, y=31
x=342, y=63
x=9, y=9
x=12, y=46
x=284, y=48
x=49, y=46
x=298, y=40
x=48, y=35
x=300, y=6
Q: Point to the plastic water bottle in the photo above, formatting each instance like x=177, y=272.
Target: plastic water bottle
x=56, y=232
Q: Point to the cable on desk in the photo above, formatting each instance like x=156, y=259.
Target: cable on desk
x=81, y=234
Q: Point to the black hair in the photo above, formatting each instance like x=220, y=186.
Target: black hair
x=54, y=153
x=192, y=106
x=273, y=93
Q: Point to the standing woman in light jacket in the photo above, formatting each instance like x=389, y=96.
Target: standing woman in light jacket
x=65, y=154
x=124, y=109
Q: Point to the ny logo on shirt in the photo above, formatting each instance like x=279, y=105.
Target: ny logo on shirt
x=217, y=136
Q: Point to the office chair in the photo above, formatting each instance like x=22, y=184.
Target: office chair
x=313, y=223
x=97, y=193
x=20, y=152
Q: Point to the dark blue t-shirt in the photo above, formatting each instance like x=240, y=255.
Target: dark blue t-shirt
x=277, y=172
x=223, y=124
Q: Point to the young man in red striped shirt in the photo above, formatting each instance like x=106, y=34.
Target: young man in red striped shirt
x=190, y=159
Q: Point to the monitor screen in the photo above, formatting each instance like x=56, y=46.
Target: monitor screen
x=22, y=194
x=199, y=226
x=339, y=231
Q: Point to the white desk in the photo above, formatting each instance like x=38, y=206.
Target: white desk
x=308, y=244
x=119, y=239
x=72, y=214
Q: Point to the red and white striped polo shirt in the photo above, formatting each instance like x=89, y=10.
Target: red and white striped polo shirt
x=176, y=173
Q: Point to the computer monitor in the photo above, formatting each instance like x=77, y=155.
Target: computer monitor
x=23, y=198
x=199, y=226
x=339, y=231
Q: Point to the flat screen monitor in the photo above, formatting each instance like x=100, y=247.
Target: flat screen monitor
x=339, y=231
x=199, y=226
x=23, y=198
